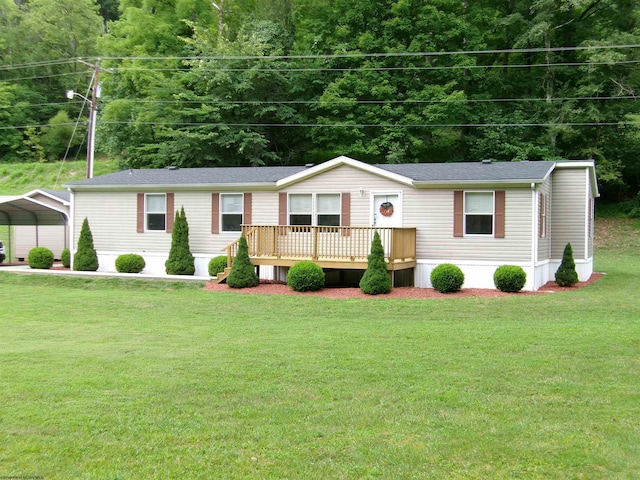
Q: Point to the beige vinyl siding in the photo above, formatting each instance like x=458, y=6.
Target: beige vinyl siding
x=433, y=214
x=349, y=179
x=544, y=244
x=26, y=237
x=568, y=211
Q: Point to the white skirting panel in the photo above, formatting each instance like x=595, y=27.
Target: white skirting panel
x=154, y=264
x=480, y=274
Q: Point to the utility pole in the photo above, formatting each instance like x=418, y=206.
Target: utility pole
x=93, y=113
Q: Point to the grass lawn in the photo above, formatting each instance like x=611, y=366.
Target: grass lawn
x=105, y=379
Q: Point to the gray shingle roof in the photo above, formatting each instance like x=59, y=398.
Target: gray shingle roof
x=470, y=172
x=192, y=176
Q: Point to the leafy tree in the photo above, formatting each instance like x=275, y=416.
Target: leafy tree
x=86, y=257
x=376, y=278
x=56, y=138
x=180, y=261
x=243, y=273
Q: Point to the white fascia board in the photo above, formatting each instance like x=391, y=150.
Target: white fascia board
x=475, y=184
x=337, y=162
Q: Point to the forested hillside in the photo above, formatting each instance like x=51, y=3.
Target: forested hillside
x=249, y=82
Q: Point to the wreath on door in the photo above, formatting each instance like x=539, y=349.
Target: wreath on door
x=386, y=209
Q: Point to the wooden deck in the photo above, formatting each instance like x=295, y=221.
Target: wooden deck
x=329, y=247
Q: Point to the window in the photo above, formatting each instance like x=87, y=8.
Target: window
x=300, y=209
x=478, y=213
x=543, y=209
x=322, y=209
x=155, y=211
x=231, y=212
x=328, y=210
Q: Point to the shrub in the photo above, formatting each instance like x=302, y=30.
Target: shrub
x=566, y=275
x=509, y=278
x=65, y=258
x=180, y=261
x=40, y=257
x=447, y=278
x=85, y=258
x=243, y=273
x=130, y=263
x=305, y=276
x=376, y=278
x=217, y=265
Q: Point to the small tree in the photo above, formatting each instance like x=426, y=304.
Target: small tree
x=566, y=275
x=376, y=279
x=85, y=258
x=243, y=273
x=180, y=261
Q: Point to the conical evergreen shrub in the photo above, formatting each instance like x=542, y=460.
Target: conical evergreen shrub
x=376, y=279
x=566, y=275
x=85, y=259
x=243, y=273
x=180, y=261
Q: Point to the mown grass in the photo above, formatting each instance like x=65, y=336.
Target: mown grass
x=105, y=379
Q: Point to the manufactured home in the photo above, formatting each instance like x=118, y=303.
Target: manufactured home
x=476, y=215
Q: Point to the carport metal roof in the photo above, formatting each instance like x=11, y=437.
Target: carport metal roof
x=24, y=210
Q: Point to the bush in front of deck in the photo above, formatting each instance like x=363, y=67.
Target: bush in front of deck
x=40, y=257
x=305, y=276
x=130, y=263
x=243, y=273
x=217, y=265
x=447, y=278
x=509, y=278
x=376, y=278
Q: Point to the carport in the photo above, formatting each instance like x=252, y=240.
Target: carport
x=38, y=208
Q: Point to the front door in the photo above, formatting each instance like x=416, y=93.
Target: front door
x=387, y=210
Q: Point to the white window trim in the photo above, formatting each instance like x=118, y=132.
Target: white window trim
x=222, y=213
x=314, y=208
x=493, y=214
x=147, y=212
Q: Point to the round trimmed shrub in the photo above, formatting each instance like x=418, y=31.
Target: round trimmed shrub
x=130, y=263
x=40, y=257
x=305, y=276
x=509, y=278
x=447, y=278
x=65, y=258
x=217, y=265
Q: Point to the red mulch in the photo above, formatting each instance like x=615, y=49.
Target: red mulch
x=278, y=288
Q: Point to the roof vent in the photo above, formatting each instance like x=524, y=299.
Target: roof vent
x=172, y=167
x=487, y=161
x=309, y=165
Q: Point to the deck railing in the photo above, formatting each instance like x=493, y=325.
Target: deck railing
x=339, y=244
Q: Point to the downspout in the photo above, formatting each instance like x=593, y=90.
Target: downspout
x=534, y=233
x=70, y=223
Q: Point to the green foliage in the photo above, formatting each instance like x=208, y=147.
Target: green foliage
x=509, y=278
x=447, y=278
x=40, y=257
x=376, y=278
x=305, y=276
x=180, y=261
x=65, y=258
x=631, y=208
x=57, y=136
x=217, y=265
x=566, y=275
x=86, y=257
x=243, y=273
x=130, y=263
